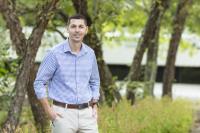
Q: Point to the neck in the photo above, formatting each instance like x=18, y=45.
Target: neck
x=75, y=46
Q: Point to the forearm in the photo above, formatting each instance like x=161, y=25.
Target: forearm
x=95, y=94
x=95, y=81
x=95, y=111
x=45, y=104
x=47, y=108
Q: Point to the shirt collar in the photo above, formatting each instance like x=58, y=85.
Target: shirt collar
x=68, y=49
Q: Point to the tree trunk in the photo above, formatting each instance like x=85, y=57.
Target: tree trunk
x=41, y=120
x=148, y=35
x=148, y=39
x=12, y=120
x=151, y=66
x=178, y=26
x=108, y=90
x=108, y=86
x=27, y=50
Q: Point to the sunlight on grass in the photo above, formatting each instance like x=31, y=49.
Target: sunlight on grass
x=147, y=116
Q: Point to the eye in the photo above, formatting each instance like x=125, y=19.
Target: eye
x=81, y=26
x=73, y=26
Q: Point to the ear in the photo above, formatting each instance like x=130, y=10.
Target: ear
x=86, y=30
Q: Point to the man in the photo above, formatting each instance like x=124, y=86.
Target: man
x=71, y=74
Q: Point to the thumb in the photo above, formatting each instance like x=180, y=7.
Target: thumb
x=58, y=114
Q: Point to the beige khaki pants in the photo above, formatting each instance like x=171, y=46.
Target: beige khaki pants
x=74, y=121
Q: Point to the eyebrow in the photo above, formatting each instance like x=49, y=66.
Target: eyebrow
x=77, y=25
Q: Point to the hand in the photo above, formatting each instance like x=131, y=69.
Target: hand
x=95, y=111
x=53, y=115
x=48, y=109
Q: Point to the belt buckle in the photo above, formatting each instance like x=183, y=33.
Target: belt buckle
x=80, y=106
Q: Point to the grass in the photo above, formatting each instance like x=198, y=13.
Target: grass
x=147, y=116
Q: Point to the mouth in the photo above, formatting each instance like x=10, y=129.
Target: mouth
x=77, y=36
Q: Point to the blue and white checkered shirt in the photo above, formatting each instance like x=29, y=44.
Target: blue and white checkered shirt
x=70, y=78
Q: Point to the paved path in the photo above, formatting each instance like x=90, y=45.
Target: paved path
x=196, y=126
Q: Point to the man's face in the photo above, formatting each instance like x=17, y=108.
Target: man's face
x=77, y=30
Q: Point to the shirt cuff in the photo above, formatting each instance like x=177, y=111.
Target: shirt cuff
x=41, y=96
x=95, y=100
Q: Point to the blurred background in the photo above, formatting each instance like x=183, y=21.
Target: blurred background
x=147, y=52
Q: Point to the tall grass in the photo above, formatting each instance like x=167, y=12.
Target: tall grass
x=147, y=116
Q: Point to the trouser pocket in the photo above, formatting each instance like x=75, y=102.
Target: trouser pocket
x=54, y=121
x=58, y=110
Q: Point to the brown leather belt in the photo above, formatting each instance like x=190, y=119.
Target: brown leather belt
x=72, y=106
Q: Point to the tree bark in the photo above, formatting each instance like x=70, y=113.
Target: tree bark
x=148, y=35
x=27, y=50
x=147, y=40
x=41, y=120
x=18, y=39
x=109, y=92
x=151, y=65
x=178, y=26
x=108, y=89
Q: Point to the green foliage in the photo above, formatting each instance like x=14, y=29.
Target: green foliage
x=3, y=114
x=194, y=17
x=166, y=22
x=7, y=80
x=28, y=10
x=135, y=84
x=8, y=69
x=187, y=46
x=110, y=92
x=4, y=45
x=2, y=23
x=26, y=121
x=7, y=66
x=129, y=17
x=147, y=116
x=192, y=22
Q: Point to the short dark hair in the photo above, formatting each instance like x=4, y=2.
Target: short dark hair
x=77, y=16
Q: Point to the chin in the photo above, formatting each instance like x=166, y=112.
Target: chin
x=77, y=40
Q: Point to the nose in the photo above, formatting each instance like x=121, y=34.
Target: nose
x=76, y=29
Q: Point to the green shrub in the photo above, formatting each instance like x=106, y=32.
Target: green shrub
x=147, y=116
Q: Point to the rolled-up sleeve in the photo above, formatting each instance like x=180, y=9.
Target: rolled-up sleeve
x=95, y=80
x=45, y=73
